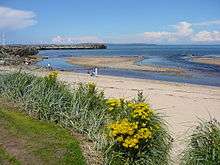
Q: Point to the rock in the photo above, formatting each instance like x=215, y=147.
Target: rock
x=14, y=55
x=17, y=54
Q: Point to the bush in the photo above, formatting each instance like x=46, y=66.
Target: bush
x=44, y=98
x=204, y=145
x=139, y=137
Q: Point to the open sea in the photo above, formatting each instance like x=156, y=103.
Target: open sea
x=176, y=56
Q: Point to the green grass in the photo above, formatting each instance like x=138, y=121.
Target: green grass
x=5, y=158
x=43, y=141
x=204, y=145
x=82, y=108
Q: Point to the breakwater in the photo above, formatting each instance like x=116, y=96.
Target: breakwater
x=17, y=54
x=75, y=46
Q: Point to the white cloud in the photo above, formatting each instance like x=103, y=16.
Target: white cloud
x=16, y=19
x=76, y=39
x=206, y=36
x=157, y=36
x=184, y=29
x=184, y=33
x=181, y=31
x=207, y=23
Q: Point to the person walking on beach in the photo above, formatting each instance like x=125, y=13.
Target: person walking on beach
x=96, y=71
x=93, y=72
x=49, y=66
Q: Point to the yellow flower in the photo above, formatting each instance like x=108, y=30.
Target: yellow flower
x=125, y=145
x=122, y=127
x=113, y=103
x=53, y=75
x=132, y=132
x=120, y=139
x=144, y=133
x=91, y=85
x=131, y=142
x=141, y=111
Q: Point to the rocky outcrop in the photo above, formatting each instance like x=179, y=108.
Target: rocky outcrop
x=15, y=55
x=21, y=51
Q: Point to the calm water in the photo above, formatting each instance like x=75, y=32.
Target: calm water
x=159, y=55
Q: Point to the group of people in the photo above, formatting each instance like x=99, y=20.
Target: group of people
x=93, y=72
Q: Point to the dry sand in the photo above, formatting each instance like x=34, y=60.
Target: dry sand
x=207, y=60
x=122, y=62
x=183, y=104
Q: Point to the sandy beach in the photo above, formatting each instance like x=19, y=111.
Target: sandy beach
x=207, y=60
x=121, y=62
x=182, y=104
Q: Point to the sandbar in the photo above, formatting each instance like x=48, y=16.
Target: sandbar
x=121, y=62
x=207, y=60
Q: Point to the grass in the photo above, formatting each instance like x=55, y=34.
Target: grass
x=204, y=145
x=6, y=158
x=37, y=140
x=82, y=109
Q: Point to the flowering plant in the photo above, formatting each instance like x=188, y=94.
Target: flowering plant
x=135, y=135
x=51, y=77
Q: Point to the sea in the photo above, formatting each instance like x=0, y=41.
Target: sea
x=171, y=56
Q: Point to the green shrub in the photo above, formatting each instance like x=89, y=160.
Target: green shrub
x=204, y=145
x=140, y=137
x=45, y=98
x=86, y=110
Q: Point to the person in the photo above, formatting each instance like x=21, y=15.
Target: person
x=96, y=71
x=49, y=66
x=93, y=72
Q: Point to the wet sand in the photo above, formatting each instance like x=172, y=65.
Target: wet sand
x=122, y=62
x=207, y=60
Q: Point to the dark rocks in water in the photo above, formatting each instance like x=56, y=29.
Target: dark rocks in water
x=18, y=54
x=15, y=55
x=22, y=51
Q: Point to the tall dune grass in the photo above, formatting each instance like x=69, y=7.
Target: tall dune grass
x=204, y=145
x=84, y=109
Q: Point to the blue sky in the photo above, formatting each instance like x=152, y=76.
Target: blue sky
x=115, y=21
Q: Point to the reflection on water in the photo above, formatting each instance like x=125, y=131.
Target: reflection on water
x=165, y=56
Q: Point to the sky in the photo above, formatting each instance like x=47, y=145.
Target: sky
x=110, y=21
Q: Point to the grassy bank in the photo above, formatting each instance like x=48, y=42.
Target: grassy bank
x=6, y=158
x=123, y=131
x=26, y=140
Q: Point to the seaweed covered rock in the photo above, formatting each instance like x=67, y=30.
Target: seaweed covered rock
x=22, y=51
x=15, y=55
